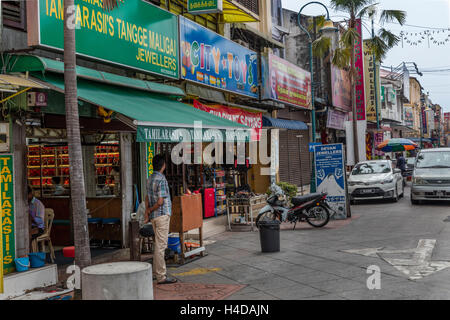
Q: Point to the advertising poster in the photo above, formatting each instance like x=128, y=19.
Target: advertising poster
x=341, y=88
x=288, y=83
x=369, y=145
x=378, y=138
x=336, y=119
x=248, y=118
x=208, y=58
x=359, y=65
x=372, y=97
x=7, y=203
x=409, y=117
x=330, y=176
x=124, y=36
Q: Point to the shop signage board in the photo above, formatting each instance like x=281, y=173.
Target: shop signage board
x=378, y=138
x=172, y=134
x=424, y=120
x=341, y=88
x=447, y=122
x=137, y=34
x=359, y=65
x=312, y=144
x=409, y=116
x=7, y=203
x=336, y=119
x=204, y=6
x=150, y=153
x=250, y=119
x=369, y=76
x=330, y=176
x=285, y=82
x=209, y=59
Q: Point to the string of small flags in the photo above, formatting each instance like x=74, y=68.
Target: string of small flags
x=430, y=37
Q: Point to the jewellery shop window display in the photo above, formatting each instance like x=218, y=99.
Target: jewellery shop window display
x=48, y=169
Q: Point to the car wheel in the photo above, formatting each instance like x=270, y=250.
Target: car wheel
x=413, y=201
x=395, y=198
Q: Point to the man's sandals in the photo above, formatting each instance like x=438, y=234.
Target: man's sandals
x=168, y=280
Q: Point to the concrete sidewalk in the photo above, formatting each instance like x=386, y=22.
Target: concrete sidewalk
x=312, y=264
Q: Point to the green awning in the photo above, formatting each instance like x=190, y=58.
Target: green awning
x=23, y=63
x=158, y=118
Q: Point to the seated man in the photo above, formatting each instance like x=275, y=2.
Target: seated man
x=37, y=215
x=145, y=229
x=59, y=189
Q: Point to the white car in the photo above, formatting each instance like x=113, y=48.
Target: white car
x=375, y=180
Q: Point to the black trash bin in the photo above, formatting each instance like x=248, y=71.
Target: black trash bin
x=269, y=235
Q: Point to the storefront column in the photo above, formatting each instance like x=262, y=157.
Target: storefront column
x=20, y=190
x=126, y=179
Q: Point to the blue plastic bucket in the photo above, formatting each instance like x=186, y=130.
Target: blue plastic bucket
x=37, y=259
x=173, y=243
x=22, y=264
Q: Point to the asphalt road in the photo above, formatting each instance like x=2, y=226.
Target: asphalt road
x=410, y=245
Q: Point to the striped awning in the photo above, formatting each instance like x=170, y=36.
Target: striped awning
x=269, y=122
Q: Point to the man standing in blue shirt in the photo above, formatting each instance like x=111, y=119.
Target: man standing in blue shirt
x=158, y=210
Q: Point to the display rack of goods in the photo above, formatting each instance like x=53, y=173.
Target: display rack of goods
x=44, y=163
x=243, y=208
x=220, y=186
x=106, y=157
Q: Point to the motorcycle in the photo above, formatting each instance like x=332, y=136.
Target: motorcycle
x=311, y=208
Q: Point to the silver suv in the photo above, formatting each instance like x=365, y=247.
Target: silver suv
x=431, y=175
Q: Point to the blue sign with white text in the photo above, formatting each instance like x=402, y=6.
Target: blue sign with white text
x=330, y=176
x=312, y=144
x=210, y=59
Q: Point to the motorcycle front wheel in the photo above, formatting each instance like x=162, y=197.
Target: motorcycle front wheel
x=318, y=216
x=265, y=216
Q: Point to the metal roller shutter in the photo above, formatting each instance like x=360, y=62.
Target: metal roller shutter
x=290, y=151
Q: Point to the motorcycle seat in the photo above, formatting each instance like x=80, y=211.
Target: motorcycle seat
x=302, y=199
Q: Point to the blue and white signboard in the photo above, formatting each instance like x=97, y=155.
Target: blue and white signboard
x=312, y=144
x=330, y=176
x=208, y=58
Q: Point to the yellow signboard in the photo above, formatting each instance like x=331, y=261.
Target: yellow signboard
x=1, y=242
x=7, y=205
x=369, y=79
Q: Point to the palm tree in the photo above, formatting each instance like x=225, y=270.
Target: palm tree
x=77, y=189
x=109, y=5
x=343, y=56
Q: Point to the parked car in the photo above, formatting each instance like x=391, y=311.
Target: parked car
x=375, y=179
x=431, y=175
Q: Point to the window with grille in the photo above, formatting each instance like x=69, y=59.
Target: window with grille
x=14, y=14
x=252, y=5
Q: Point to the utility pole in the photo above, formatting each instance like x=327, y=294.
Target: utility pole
x=375, y=74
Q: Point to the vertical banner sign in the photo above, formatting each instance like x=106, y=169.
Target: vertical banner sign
x=409, y=116
x=359, y=81
x=369, y=145
x=137, y=34
x=378, y=137
x=209, y=59
x=1, y=242
x=341, y=88
x=150, y=153
x=424, y=121
x=330, y=176
x=369, y=77
x=204, y=6
x=7, y=203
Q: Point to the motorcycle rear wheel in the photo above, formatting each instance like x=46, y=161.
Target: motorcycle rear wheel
x=265, y=216
x=318, y=216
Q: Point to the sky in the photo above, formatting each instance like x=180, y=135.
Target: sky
x=422, y=15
